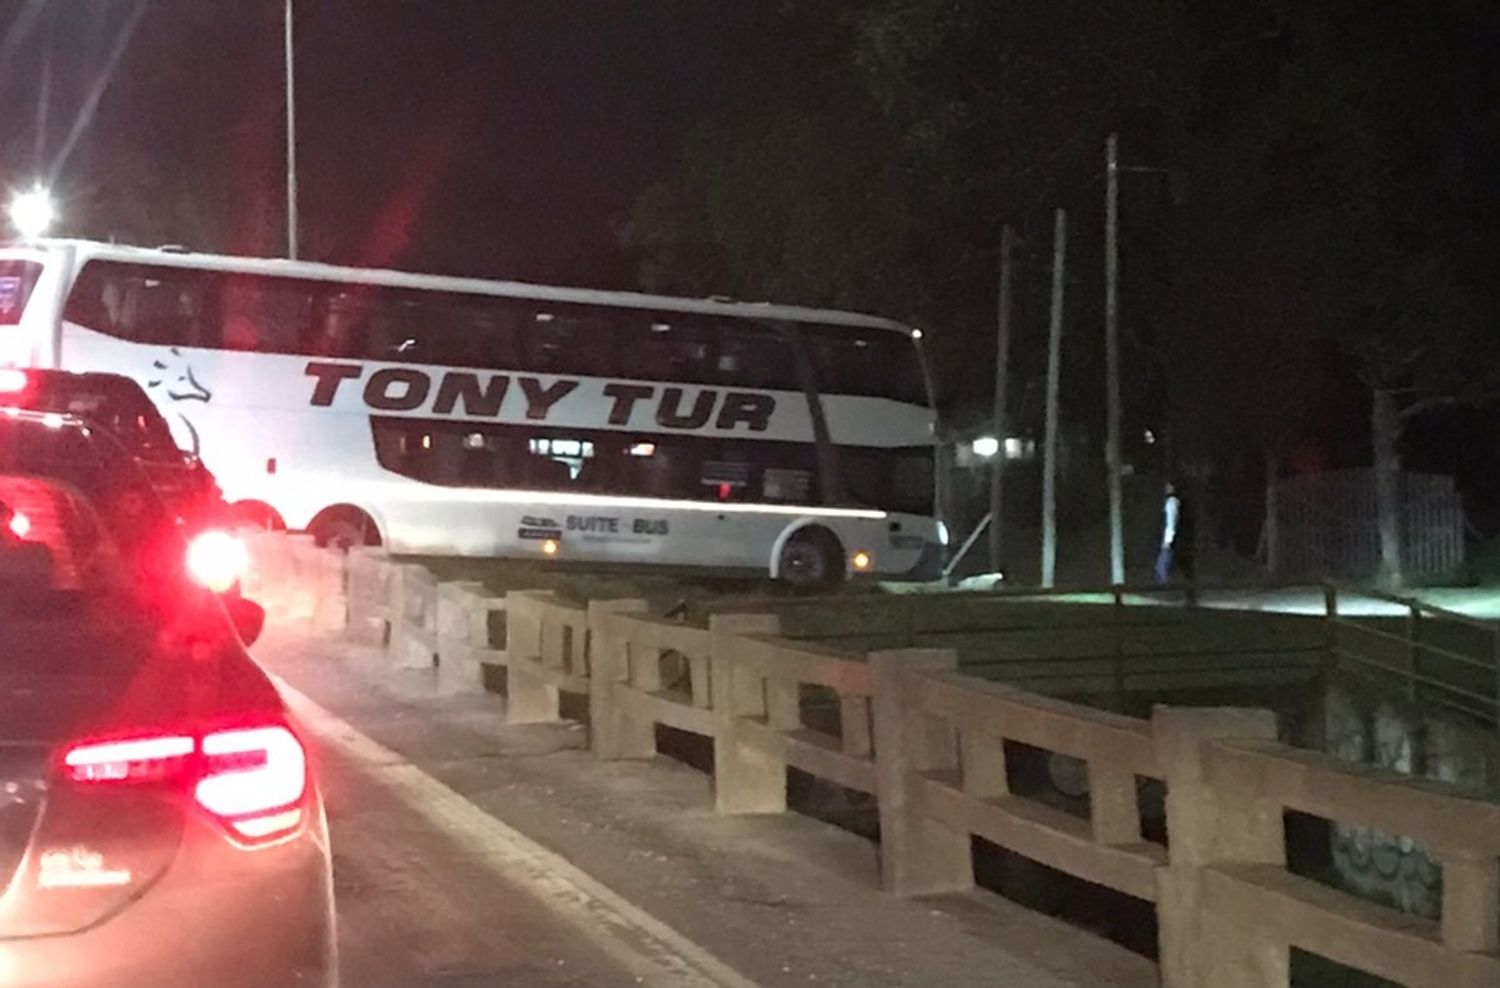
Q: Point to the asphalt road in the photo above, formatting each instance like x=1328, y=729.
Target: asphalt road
x=418, y=910
x=433, y=891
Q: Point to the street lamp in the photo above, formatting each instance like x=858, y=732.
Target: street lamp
x=291, y=138
x=32, y=213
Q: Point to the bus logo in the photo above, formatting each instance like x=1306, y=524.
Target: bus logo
x=178, y=379
x=538, y=529
x=412, y=389
x=173, y=376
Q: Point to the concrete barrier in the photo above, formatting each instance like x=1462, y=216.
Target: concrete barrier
x=951, y=782
x=372, y=595
x=414, y=635
x=546, y=647
x=294, y=579
x=628, y=696
x=464, y=646
x=929, y=742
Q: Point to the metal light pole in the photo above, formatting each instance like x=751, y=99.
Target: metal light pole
x=291, y=141
x=1054, y=375
x=1002, y=377
x=1112, y=359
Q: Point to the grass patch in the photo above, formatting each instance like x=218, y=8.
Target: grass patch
x=692, y=594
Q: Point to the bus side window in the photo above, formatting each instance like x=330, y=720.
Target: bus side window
x=94, y=301
x=755, y=356
x=471, y=331
x=664, y=347
x=143, y=303
x=338, y=325
x=652, y=468
x=879, y=363
x=265, y=314
x=438, y=328
x=570, y=340
x=492, y=334
x=395, y=329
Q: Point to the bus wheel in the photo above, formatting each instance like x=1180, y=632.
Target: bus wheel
x=811, y=559
x=344, y=530
x=257, y=515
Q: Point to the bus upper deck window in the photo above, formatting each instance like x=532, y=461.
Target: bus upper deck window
x=668, y=348
x=756, y=356
x=570, y=341
x=870, y=362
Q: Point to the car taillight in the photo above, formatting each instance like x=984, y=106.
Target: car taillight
x=252, y=780
x=134, y=760
x=20, y=525
x=216, y=559
x=13, y=381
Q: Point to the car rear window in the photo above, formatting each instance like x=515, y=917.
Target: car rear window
x=51, y=539
x=83, y=461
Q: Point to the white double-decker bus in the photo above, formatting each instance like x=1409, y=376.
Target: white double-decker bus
x=438, y=415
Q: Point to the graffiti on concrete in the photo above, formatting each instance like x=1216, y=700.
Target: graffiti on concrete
x=1393, y=868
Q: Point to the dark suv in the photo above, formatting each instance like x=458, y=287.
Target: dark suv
x=159, y=821
x=116, y=405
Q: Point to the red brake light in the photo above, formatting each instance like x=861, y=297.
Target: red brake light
x=252, y=780
x=216, y=560
x=134, y=760
x=20, y=525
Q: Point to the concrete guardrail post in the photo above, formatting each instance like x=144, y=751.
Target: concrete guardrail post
x=300, y=587
x=918, y=855
x=529, y=699
x=463, y=634
x=413, y=624
x=332, y=605
x=1212, y=823
x=613, y=732
x=369, y=591
x=745, y=780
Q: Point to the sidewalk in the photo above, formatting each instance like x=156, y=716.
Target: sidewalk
x=784, y=900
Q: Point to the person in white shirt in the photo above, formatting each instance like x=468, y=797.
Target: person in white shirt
x=1176, y=550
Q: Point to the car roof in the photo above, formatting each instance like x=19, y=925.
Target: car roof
x=50, y=420
x=98, y=439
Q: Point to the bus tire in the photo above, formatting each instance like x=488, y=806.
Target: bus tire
x=257, y=515
x=812, y=559
x=344, y=528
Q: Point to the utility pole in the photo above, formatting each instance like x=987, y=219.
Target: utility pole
x=43, y=104
x=291, y=141
x=1112, y=357
x=1054, y=375
x=1002, y=375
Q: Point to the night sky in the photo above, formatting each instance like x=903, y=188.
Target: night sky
x=505, y=138
x=467, y=136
